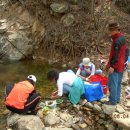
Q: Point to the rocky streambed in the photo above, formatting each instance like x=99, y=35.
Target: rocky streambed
x=84, y=116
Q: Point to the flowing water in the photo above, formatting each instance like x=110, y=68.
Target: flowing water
x=18, y=71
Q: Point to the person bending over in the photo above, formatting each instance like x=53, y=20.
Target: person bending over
x=21, y=97
x=67, y=83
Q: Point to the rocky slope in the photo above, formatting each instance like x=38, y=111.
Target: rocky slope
x=61, y=31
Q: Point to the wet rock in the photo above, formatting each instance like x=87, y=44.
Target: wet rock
x=25, y=122
x=59, y=8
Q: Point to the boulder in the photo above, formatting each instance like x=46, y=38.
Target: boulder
x=59, y=8
x=15, y=44
x=25, y=122
x=68, y=19
x=52, y=118
x=122, y=120
x=108, y=109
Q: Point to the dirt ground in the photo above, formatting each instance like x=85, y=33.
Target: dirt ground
x=86, y=37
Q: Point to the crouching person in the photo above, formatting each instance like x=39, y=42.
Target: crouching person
x=67, y=83
x=21, y=97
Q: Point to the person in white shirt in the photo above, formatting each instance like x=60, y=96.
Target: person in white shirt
x=87, y=69
x=67, y=83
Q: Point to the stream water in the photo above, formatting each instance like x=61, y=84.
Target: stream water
x=18, y=71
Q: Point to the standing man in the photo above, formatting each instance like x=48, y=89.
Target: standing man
x=116, y=63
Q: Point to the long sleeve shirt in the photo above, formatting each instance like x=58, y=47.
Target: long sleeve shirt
x=65, y=78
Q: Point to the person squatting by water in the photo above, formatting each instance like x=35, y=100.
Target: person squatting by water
x=87, y=69
x=116, y=63
x=67, y=83
x=21, y=97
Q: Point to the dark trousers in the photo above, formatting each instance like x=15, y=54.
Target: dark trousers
x=29, y=106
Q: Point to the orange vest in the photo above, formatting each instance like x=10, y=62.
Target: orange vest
x=19, y=94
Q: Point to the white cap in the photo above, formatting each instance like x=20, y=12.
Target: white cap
x=86, y=62
x=32, y=77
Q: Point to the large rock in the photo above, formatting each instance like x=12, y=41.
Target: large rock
x=25, y=122
x=68, y=19
x=109, y=109
x=52, y=118
x=59, y=8
x=15, y=44
x=122, y=120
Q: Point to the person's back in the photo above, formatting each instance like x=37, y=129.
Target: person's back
x=19, y=94
x=21, y=97
x=67, y=83
x=67, y=77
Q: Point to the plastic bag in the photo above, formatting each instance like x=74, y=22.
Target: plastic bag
x=93, y=91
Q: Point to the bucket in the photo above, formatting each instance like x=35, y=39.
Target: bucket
x=51, y=104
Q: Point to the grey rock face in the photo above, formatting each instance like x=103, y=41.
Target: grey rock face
x=14, y=43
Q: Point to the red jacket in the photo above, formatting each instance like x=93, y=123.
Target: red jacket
x=19, y=94
x=117, y=53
